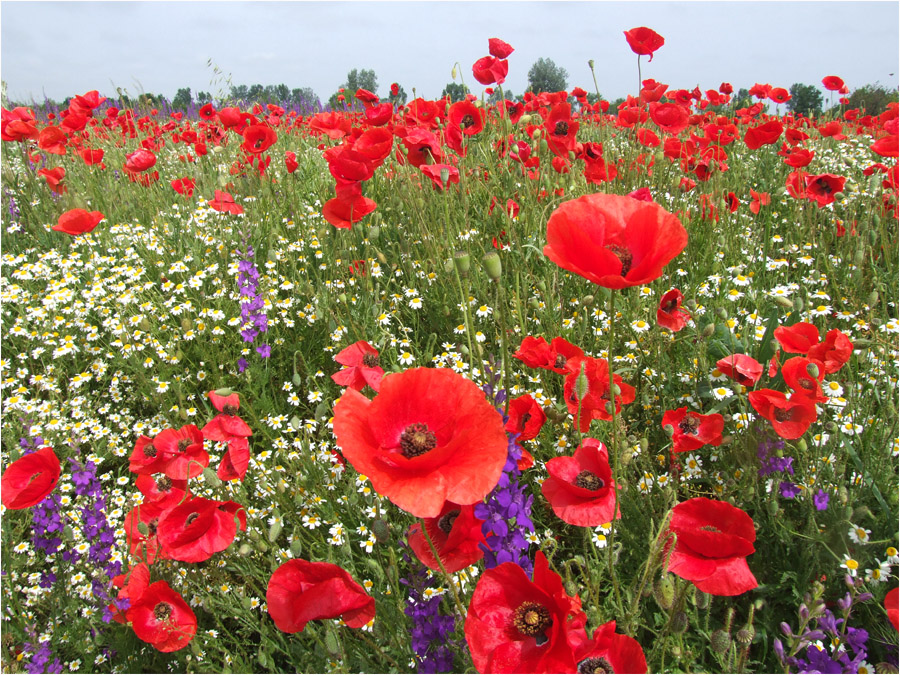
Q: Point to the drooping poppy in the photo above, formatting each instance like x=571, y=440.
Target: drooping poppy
x=456, y=535
x=790, y=416
x=290, y=161
x=580, y=488
x=429, y=436
x=713, y=540
x=691, y=430
x=78, y=221
x=198, y=528
x=184, y=186
x=300, y=591
x=53, y=140
x=441, y=175
x=741, y=368
x=29, y=479
x=161, y=617
x=612, y=240
x=521, y=625
x=361, y=367
x=610, y=652
x=526, y=417
x=235, y=461
x=670, y=313
x=644, y=41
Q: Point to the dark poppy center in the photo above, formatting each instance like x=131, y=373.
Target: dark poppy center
x=467, y=122
x=560, y=361
x=782, y=415
x=689, y=424
x=446, y=521
x=183, y=444
x=151, y=527
x=624, y=256
x=532, y=619
x=806, y=383
x=191, y=518
x=229, y=409
x=149, y=451
x=370, y=360
x=163, y=483
x=588, y=481
x=416, y=440
x=594, y=664
x=561, y=129
x=589, y=151
x=710, y=528
x=162, y=611
x=669, y=306
x=824, y=186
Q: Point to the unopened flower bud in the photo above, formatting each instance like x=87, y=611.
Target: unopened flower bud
x=244, y=551
x=582, y=386
x=664, y=592
x=669, y=430
x=720, y=641
x=373, y=233
x=813, y=370
x=296, y=548
x=679, y=622
x=587, y=300
x=708, y=330
x=701, y=599
x=210, y=478
x=275, y=530
x=782, y=301
x=492, y=265
x=381, y=530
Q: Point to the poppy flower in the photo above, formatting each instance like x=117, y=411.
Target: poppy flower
x=490, y=70
x=892, y=607
x=593, y=404
x=184, y=186
x=91, y=157
x=763, y=134
x=139, y=160
x=161, y=617
x=183, y=448
x=379, y=115
x=670, y=117
x=759, y=199
x=799, y=157
x=198, y=528
x=375, y=145
x=53, y=140
x=886, y=146
x=429, y=436
x=456, y=535
x=54, y=178
x=692, y=431
x=790, y=416
x=300, y=591
x=521, y=625
x=348, y=207
x=235, y=461
x=670, y=314
x=644, y=41
x=779, y=95
x=29, y=479
x=537, y=353
x=131, y=585
x=437, y=173
x=290, y=161
x=161, y=493
x=580, y=488
x=560, y=129
x=797, y=376
x=499, y=48
x=526, y=418
x=465, y=116
x=612, y=240
x=18, y=124
x=834, y=351
x=822, y=188
x=224, y=203
x=741, y=368
x=143, y=545
x=610, y=652
x=798, y=338
x=361, y=367
x=78, y=221
x=832, y=83
x=713, y=540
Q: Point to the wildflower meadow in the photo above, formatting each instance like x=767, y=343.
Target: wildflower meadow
x=459, y=385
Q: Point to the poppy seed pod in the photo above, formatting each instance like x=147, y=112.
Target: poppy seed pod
x=463, y=261
x=492, y=265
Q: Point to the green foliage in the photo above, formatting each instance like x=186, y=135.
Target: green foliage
x=182, y=99
x=805, y=99
x=872, y=99
x=545, y=75
x=456, y=91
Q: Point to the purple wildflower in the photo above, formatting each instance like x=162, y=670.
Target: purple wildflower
x=821, y=500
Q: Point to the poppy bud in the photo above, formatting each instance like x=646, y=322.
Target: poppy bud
x=69, y=533
x=145, y=325
x=644, y=444
x=720, y=641
x=453, y=73
x=571, y=588
x=859, y=256
x=381, y=530
x=708, y=330
x=534, y=303
x=537, y=134
x=296, y=548
x=381, y=258
x=182, y=414
x=544, y=147
x=244, y=551
x=448, y=265
x=838, y=196
x=727, y=440
x=782, y=301
x=745, y=634
x=261, y=546
x=591, y=64
x=525, y=120
x=143, y=529
x=492, y=265
x=772, y=508
x=872, y=300
x=813, y=370
x=664, y=592
x=342, y=298
x=721, y=313
x=331, y=644
x=830, y=426
x=679, y=622
x=275, y=530
x=373, y=233
x=669, y=430
x=463, y=261
x=581, y=384
x=616, y=390
x=587, y=300
x=701, y=599
x=210, y=478
x=610, y=408
x=691, y=304
x=296, y=423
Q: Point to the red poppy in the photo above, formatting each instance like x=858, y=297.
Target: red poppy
x=790, y=417
x=499, y=48
x=421, y=145
x=580, y=488
x=54, y=178
x=437, y=173
x=832, y=83
x=797, y=376
x=161, y=493
x=91, y=157
x=489, y=70
x=593, y=404
x=799, y=157
x=18, y=124
x=235, y=461
x=823, y=187
x=833, y=352
x=347, y=164
x=536, y=353
x=198, y=528
x=610, y=652
x=78, y=221
x=521, y=625
x=691, y=430
x=741, y=368
x=886, y=146
x=428, y=436
x=184, y=186
x=366, y=97
x=613, y=240
x=465, y=116
x=759, y=199
x=713, y=540
x=892, y=607
x=763, y=134
x=300, y=591
x=361, y=367
x=29, y=479
x=670, y=314
x=143, y=545
x=53, y=140
x=183, y=448
x=670, y=117
x=779, y=95
x=162, y=618
x=290, y=161
x=131, y=585
x=526, y=418
x=798, y=338
x=378, y=115
x=644, y=41
x=139, y=160
x=224, y=203
x=456, y=535
x=348, y=207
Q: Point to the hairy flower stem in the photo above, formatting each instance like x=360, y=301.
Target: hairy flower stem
x=649, y=567
x=614, y=450
x=459, y=606
x=463, y=293
x=501, y=312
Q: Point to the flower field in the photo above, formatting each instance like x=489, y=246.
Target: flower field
x=534, y=386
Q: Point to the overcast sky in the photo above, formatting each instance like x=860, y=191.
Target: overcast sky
x=65, y=48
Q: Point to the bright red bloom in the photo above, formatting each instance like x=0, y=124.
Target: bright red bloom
x=519, y=625
x=361, y=361
x=131, y=585
x=375, y=145
x=348, y=207
x=456, y=535
x=670, y=117
x=139, y=160
x=610, y=652
x=465, y=116
x=91, y=157
x=489, y=70
x=613, y=240
x=693, y=430
x=799, y=157
x=198, y=528
x=759, y=199
x=833, y=352
x=536, y=353
x=143, y=545
x=29, y=479
x=796, y=375
x=892, y=607
x=235, y=461
x=290, y=161
x=887, y=146
x=161, y=493
x=526, y=417
x=258, y=138
x=798, y=338
x=429, y=436
x=300, y=591
x=560, y=130
x=763, y=134
x=224, y=203
x=53, y=140
x=162, y=618
x=580, y=488
x=499, y=48
x=741, y=368
x=644, y=41
x=54, y=178
x=593, y=405
x=184, y=186
x=832, y=83
x=78, y=221
x=435, y=173
x=823, y=187
x=779, y=95
x=713, y=541
x=184, y=449
x=790, y=417
x=670, y=314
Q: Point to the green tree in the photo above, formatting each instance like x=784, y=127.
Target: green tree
x=356, y=79
x=256, y=92
x=805, y=99
x=872, y=99
x=494, y=98
x=204, y=97
x=547, y=76
x=456, y=91
x=281, y=93
x=741, y=99
x=304, y=96
x=182, y=98
x=239, y=92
